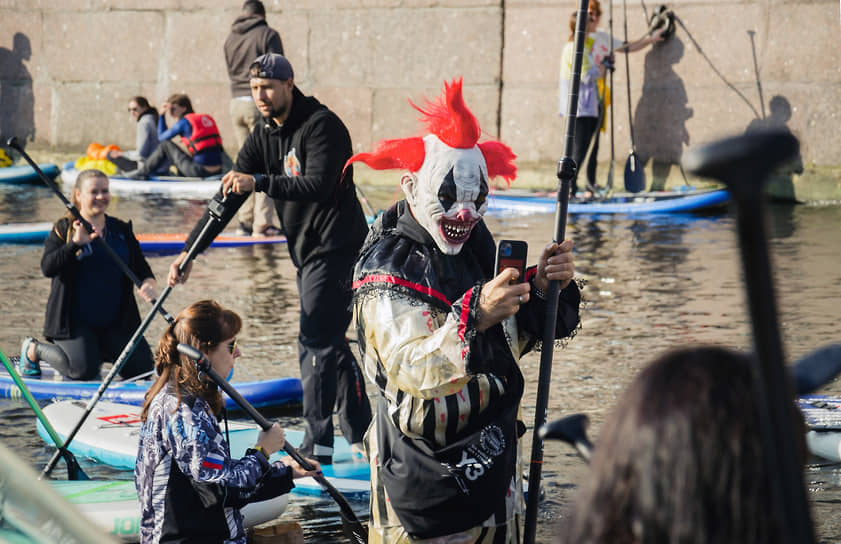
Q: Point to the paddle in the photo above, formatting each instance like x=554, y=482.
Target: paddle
x=609, y=182
x=572, y=430
x=74, y=471
x=566, y=173
x=634, y=176
x=743, y=163
x=354, y=530
x=13, y=142
x=216, y=210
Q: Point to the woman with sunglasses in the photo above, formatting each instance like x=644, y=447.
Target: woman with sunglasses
x=189, y=486
x=146, y=140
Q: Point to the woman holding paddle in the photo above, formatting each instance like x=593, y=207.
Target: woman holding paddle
x=91, y=310
x=190, y=489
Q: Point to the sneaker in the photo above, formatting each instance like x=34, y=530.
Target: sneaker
x=357, y=452
x=243, y=229
x=25, y=366
x=134, y=174
x=269, y=231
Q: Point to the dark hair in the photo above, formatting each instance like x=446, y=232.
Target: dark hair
x=145, y=107
x=203, y=325
x=680, y=459
x=182, y=100
x=254, y=7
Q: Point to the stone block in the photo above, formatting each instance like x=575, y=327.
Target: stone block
x=95, y=46
x=530, y=124
x=293, y=28
x=196, y=56
x=789, y=54
x=360, y=47
x=85, y=112
x=534, y=39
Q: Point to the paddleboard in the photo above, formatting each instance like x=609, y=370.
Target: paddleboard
x=110, y=435
x=113, y=506
x=52, y=385
x=36, y=233
x=823, y=418
x=27, y=174
x=520, y=203
x=164, y=186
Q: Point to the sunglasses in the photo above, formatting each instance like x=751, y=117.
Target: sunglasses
x=232, y=346
x=133, y=109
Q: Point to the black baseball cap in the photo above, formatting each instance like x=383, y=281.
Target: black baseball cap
x=271, y=66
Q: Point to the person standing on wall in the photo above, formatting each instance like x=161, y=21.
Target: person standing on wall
x=295, y=155
x=250, y=37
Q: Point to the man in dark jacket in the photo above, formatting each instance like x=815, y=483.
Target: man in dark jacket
x=295, y=155
x=250, y=37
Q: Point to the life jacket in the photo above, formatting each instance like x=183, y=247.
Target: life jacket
x=205, y=134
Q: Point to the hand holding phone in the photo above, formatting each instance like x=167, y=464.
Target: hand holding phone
x=511, y=254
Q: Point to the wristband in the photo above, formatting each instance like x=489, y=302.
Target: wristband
x=262, y=451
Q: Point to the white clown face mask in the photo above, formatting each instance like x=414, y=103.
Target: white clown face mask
x=448, y=195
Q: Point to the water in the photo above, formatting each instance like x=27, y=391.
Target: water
x=651, y=284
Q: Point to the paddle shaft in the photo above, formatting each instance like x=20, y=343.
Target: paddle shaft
x=13, y=142
x=609, y=182
x=74, y=471
x=565, y=176
x=128, y=350
x=744, y=163
x=628, y=77
x=204, y=366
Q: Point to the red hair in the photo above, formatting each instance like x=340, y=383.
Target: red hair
x=453, y=123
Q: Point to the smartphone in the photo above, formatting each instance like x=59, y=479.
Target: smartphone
x=511, y=254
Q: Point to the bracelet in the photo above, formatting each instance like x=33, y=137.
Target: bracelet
x=262, y=451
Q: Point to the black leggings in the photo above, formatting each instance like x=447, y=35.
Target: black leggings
x=585, y=128
x=80, y=357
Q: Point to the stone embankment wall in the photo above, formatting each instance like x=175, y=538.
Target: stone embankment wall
x=68, y=68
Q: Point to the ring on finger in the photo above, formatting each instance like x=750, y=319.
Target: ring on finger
x=520, y=298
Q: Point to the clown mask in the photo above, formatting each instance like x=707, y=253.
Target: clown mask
x=448, y=195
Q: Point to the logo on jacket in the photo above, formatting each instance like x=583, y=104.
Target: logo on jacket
x=291, y=164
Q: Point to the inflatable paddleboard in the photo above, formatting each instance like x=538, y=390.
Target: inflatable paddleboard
x=511, y=203
x=110, y=435
x=823, y=418
x=52, y=385
x=27, y=174
x=36, y=233
x=112, y=505
x=163, y=186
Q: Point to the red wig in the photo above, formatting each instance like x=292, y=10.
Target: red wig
x=452, y=122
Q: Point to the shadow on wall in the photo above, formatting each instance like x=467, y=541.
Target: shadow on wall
x=17, y=102
x=781, y=183
x=661, y=114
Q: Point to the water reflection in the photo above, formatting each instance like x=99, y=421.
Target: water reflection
x=651, y=284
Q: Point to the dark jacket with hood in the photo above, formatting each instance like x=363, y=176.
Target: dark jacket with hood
x=60, y=263
x=250, y=37
x=300, y=166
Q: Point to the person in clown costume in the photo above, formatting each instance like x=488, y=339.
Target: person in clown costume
x=441, y=337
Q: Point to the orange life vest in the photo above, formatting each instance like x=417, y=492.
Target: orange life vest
x=205, y=134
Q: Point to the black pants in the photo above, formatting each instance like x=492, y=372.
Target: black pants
x=80, y=357
x=169, y=151
x=585, y=127
x=330, y=375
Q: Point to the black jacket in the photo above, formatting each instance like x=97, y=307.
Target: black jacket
x=250, y=37
x=302, y=162
x=59, y=263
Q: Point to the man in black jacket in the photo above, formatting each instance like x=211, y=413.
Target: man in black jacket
x=295, y=155
x=250, y=37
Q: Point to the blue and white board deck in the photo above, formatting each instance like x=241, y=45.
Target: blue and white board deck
x=52, y=385
x=823, y=418
x=113, y=506
x=27, y=174
x=163, y=186
x=36, y=233
x=110, y=436
x=519, y=203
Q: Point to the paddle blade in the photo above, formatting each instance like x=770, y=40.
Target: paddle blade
x=74, y=471
x=816, y=369
x=634, y=176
